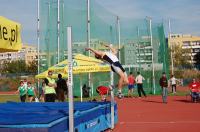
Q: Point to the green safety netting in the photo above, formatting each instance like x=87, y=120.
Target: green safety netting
x=135, y=40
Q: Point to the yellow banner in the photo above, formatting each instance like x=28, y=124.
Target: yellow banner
x=10, y=38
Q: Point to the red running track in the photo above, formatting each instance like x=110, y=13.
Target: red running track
x=151, y=115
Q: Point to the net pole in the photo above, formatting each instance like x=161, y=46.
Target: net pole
x=63, y=21
x=119, y=37
x=153, y=71
x=58, y=32
x=88, y=40
x=138, y=40
x=172, y=61
x=38, y=41
x=70, y=79
x=48, y=42
x=152, y=58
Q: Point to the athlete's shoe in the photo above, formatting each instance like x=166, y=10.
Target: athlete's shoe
x=120, y=95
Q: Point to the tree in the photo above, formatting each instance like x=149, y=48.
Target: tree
x=32, y=67
x=181, y=57
x=18, y=66
x=197, y=60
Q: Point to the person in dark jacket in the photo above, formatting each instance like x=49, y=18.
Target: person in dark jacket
x=61, y=88
x=164, y=86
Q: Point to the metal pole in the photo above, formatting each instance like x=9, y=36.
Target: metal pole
x=38, y=40
x=112, y=108
x=172, y=61
x=88, y=24
x=88, y=39
x=119, y=37
x=58, y=32
x=151, y=40
x=138, y=35
x=48, y=34
x=112, y=99
x=70, y=79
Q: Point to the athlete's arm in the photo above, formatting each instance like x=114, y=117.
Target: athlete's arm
x=96, y=52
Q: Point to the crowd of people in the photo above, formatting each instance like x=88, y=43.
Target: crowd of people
x=50, y=90
x=26, y=89
x=165, y=84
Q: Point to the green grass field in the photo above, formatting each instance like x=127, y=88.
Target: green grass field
x=15, y=98
x=5, y=98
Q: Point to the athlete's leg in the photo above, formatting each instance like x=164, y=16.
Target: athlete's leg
x=121, y=81
x=30, y=98
x=125, y=79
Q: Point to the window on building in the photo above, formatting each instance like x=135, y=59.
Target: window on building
x=186, y=43
x=196, y=50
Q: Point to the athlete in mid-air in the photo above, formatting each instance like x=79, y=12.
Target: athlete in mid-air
x=113, y=61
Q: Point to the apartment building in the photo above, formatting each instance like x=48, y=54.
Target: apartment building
x=27, y=53
x=186, y=42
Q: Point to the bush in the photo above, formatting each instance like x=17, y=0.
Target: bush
x=11, y=84
x=187, y=73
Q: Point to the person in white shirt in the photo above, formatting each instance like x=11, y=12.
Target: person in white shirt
x=173, y=81
x=139, y=81
x=25, y=83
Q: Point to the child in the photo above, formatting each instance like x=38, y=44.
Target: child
x=102, y=91
x=22, y=91
x=131, y=82
x=30, y=91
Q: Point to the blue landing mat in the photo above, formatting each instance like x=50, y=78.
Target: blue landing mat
x=53, y=117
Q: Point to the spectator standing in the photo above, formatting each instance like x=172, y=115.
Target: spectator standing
x=61, y=88
x=164, y=84
x=22, y=91
x=139, y=80
x=50, y=85
x=173, y=81
x=42, y=89
x=31, y=92
x=131, y=82
x=86, y=91
x=25, y=83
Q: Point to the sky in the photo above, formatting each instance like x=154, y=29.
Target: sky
x=183, y=14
